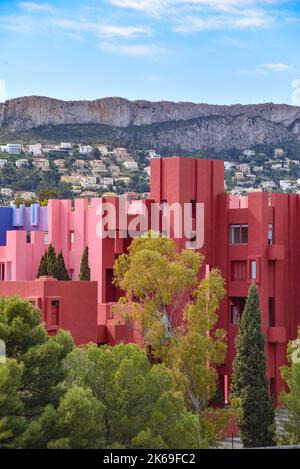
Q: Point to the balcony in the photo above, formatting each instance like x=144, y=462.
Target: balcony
x=275, y=252
x=276, y=335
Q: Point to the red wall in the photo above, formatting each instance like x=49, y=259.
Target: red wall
x=77, y=305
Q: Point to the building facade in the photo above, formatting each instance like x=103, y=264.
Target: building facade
x=71, y=306
x=253, y=238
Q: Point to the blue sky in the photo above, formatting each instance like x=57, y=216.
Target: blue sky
x=215, y=51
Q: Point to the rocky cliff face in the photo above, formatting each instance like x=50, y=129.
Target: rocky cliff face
x=192, y=127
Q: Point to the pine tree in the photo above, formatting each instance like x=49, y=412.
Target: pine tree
x=84, y=266
x=249, y=387
x=62, y=273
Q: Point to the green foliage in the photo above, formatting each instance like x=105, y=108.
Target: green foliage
x=155, y=279
x=20, y=326
x=41, y=357
x=11, y=421
x=158, y=283
x=139, y=401
x=77, y=423
x=249, y=387
x=198, y=346
x=291, y=398
x=42, y=267
x=62, y=273
x=52, y=265
x=52, y=268
x=53, y=395
x=84, y=265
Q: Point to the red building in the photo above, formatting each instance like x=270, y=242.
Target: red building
x=252, y=238
x=64, y=305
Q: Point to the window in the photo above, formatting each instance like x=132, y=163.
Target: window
x=270, y=234
x=238, y=234
x=54, y=321
x=253, y=270
x=71, y=239
x=46, y=237
x=234, y=313
x=110, y=290
x=244, y=234
x=271, y=312
x=2, y=271
x=28, y=237
x=238, y=270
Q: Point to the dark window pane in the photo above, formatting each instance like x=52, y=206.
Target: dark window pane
x=244, y=234
x=235, y=234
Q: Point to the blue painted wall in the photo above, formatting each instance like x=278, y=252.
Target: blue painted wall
x=6, y=216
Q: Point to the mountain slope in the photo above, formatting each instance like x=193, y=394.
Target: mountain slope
x=187, y=127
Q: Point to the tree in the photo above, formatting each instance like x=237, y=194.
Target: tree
x=291, y=398
x=42, y=267
x=46, y=194
x=141, y=407
x=62, y=273
x=84, y=266
x=52, y=265
x=198, y=346
x=41, y=356
x=158, y=283
x=11, y=407
x=52, y=268
x=249, y=387
x=77, y=423
x=48, y=263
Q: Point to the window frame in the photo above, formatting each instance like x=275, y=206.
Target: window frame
x=232, y=233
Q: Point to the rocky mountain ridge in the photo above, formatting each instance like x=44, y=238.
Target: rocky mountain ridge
x=187, y=126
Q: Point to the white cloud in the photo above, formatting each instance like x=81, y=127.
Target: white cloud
x=247, y=19
x=273, y=67
x=134, y=50
x=102, y=30
x=16, y=24
x=36, y=7
x=201, y=15
x=156, y=6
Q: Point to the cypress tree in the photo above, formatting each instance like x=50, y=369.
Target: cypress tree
x=49, y=264
x=62, y=273
x=42, y=267
x=51, y=261
x=249, y=387
x=84, y=266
